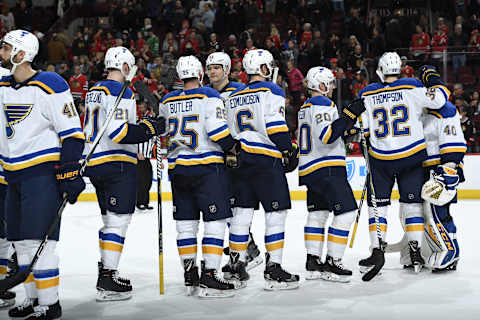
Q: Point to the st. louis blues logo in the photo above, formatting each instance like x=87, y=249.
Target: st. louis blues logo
x=350, y=169
x=15, y=113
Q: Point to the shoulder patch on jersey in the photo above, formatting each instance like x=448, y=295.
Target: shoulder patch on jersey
x=447, y=111
x=49, y=82
x=112, y=88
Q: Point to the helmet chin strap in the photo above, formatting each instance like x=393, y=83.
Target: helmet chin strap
x=14, y=64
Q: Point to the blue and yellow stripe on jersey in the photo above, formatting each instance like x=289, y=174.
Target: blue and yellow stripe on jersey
x=45, y=279
x=112, y=88
x=326, y=134
x=260, y=148
x=276, y=127
x=187, y=246
x=337, y=236
x=120, y=133
x=453, y=147
x=112, y=156
x=314, y=165
x=274, y=241
x=212, y=246
x=444, y=90
x=414, y=224
x=314, y=234
x=219, y=133
x=31, y=159
x=372, y=226
x=431, y=160
x=247, y=90
x=185, y=97
x=71, y=133
x=2, y=178
x=49, y=82
x=398, y=153
x=111, y=241
x=195, y=159
x=3, y=267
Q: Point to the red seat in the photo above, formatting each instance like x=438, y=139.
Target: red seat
x=467, y=79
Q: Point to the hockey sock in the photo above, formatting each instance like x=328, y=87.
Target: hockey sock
x=46, y=275
x=187, y=239
x=212, y=243
x=239, y=231
x=314, y=232
x=4, y=246
x=275, y=234
x=414, y=221
x=112, y=238
x=372, y=227
x=338, y=234
x=25, y=250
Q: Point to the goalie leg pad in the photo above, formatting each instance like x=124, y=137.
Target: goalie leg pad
x=212, y=243
x=414, y=221
x=240, y=231
x=314, y=232
x=112, y=238
x=187, y=239
x=275, y=234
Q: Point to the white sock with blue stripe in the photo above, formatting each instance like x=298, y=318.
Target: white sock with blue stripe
x=47, y=275
x=25, y=250
x=414, y=221
x=212, y=243
x=338, y=234
x=372, y=226
x=112, y=238
x=187, y=239
x=275, y=234
x=314, y=232
x=4, y=246
x=240, y=231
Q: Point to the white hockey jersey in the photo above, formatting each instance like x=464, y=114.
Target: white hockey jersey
x=99, y=100
x=314, y=129
x=394, y=114
x=196, y=120
x=229, y=89
x=254, y=113
x=444, y=136
x=39, y=115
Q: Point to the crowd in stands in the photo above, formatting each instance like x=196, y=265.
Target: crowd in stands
x=341, y=35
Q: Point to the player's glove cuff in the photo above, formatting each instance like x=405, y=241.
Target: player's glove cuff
x=70, y=183
x=153, y=126
x=290, y=158
x=352, y=111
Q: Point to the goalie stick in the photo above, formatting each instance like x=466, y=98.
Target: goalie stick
x=21, y=276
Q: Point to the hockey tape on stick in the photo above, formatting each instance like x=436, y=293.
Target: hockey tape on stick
x=159, y=212
x=21, y=276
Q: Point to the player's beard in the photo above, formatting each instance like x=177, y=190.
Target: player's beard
x=7, y=64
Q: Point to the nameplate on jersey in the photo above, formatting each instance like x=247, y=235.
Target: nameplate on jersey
x=244, y=100
x=380, y=98
x=94, y=97
x=15, y=113
x=180, y=106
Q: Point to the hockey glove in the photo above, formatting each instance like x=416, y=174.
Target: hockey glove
x=232, y=157
x=429, y=76
x=290, y=158
x=153, y=126
x=447, y=176
x=354, y=110
x=70, y=183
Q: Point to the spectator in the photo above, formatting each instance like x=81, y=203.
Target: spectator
x=356, y=26
x=213, y=44
x=208, y=17
x=439, y=44
x=270, y=46
x=153, y=43
x=355, y=59
x=195, y=16
x=248, y=46
x=251, y=13
x=315, y=50
x=458, y=92
x=295, y=82
x=467, y=128
x=198, y=39
x=291, y=116
x=7, y=19
x=125, y=18
x=458, y=41
x=441, y=25
x=22, y=15
x=85, y=66
x=56, y=50
x=344, y=84
x=78, y=84
x=79, y=45
x=127, y=40
x=332, y=46
x=406, y=70
x=376, y=43
x=238, y=74
x=178, y=15
x=420, y=44
x=169, y=43
x=291, y=52
x=359, y=83
x=145, y=53
x=306, y=36
x=275, y=35
x=64, y=71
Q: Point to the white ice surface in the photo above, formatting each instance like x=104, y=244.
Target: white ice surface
x=396, y=294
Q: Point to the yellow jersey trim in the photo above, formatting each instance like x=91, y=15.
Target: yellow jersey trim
x=43, y=85
x=366, y=93
x=185, y=97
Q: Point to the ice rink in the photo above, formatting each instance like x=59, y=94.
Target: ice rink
x=396, y=294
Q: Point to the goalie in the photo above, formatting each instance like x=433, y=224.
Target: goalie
x=445, y=147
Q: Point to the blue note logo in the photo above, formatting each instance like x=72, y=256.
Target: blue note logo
x=350, y=169
x=15, y=113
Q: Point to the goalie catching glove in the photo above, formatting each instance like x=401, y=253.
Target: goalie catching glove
x=442, y=186
x=290, y=158
x=70, y=183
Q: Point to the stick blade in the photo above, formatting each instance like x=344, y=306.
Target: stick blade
x=15, y=280
x=379, y=261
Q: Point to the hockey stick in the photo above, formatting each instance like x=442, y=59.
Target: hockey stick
x=160, y=223
x=378, y=253
x=275, y=75
x=354, y=232
x=145, y=92
x=21, y=276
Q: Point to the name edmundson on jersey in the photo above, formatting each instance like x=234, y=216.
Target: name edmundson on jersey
x=243, y=100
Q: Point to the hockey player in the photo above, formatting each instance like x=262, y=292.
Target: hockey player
x=44, y=146
x=322, y=168
x=218, y=69
x=256, y=117
x=445, y=147
x=112, y=167
x=198, y=136
x=397, y=148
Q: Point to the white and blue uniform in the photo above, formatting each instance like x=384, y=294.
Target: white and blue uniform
x=229, y=88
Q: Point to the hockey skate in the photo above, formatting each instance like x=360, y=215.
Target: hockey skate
x=335, y=271
x=450, y=267
x=111, y=287
x=314, y=267
x=235, y=270
x=51, y=312
x=371, y=266
x=213, y=286
x=24, y=310
x=7, y=299
x=415, y=256
x=254, y=258
x=278, y=279
x=191, y=277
